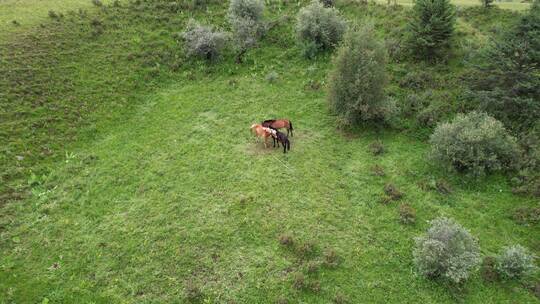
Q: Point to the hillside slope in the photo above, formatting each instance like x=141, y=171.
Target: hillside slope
x=130, y=174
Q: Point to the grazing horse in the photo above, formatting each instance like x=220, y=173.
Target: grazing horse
x=281, y=138
x=263, y=132
x=279, y=124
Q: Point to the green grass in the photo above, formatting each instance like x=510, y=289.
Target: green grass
x=28, y=13
x=139, y=176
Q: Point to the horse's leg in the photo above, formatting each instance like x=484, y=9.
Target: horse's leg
x=284, y=144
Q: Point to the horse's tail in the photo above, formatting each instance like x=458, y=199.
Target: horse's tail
x=290, y=126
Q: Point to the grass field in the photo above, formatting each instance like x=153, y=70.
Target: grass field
x=129, y=174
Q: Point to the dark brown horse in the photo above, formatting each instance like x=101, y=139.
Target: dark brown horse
x=279, y=124
x=283, y=139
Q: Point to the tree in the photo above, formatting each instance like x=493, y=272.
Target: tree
x=356, y=85
x=430, y=28
x=246, y=18
x=505, y=80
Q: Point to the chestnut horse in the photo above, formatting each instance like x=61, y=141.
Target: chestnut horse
x=279, y=124
x=263, y=132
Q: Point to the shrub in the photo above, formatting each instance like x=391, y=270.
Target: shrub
x=407, y=214
x=446, y=251
x=319, y=28
x=505, y=80
x=202, y=41
x=430, y=28
x=272, y=77
x=356, y=85
x=246, y=9
x=475, y=142
x=515, y=262
x=246, y=18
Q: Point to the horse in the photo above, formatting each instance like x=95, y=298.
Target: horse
x=281, y=138
x=261, y=131
x=279, y=124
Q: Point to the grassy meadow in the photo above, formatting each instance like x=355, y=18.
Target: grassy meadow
x=129, y=175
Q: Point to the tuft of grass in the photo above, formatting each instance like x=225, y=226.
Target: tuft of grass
x=286, y=240
x=393, y=192
x=407, y=214
x=527, y=215
x=378, y=170
x=377, y=148
x=487, y=270
x=299, y=281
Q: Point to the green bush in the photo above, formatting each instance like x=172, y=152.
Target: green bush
x=430, y=28
x=319, y=28
x=515, y=262
x=246, y=9
x=475, y=143
x=357, y=82
x=446, y=251
x=201, y=41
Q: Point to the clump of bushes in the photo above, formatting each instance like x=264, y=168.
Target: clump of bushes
x=515, y=262
x=356, y=85
x=203, y=42
x=446, y=251
x=319, y=28
x=246, y=18
x=430, y=28
x=475, y=143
